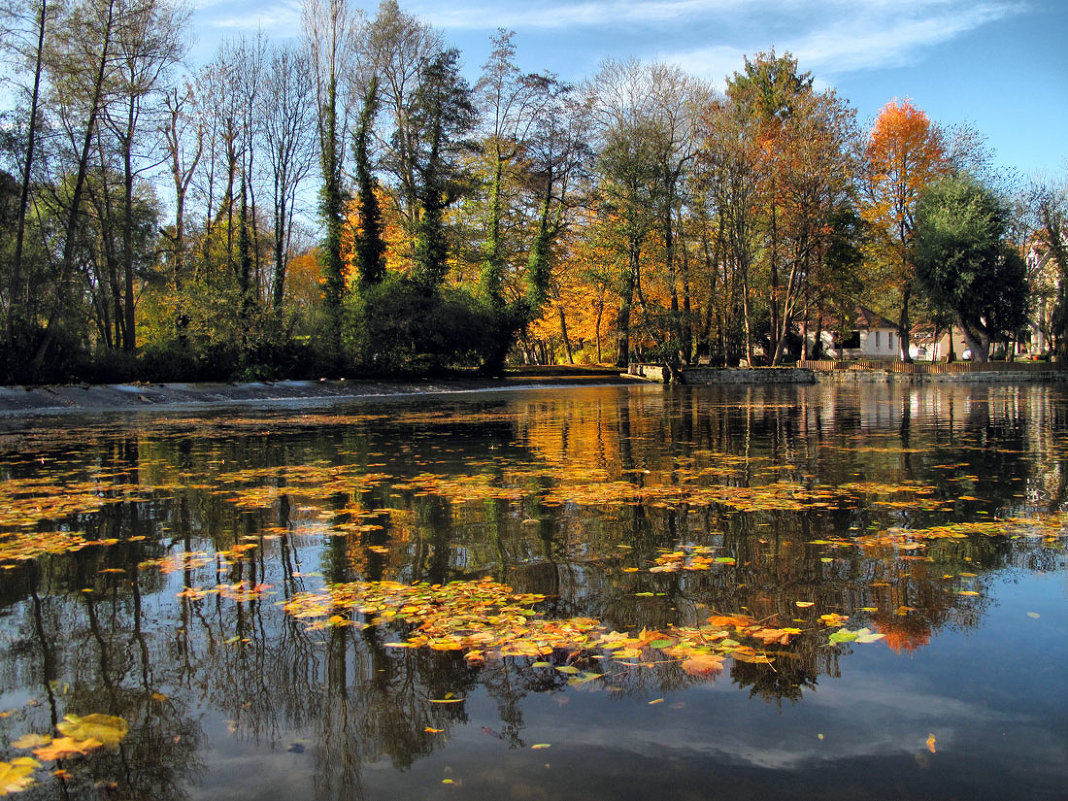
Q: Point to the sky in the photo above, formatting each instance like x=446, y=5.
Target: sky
x=1000, y=66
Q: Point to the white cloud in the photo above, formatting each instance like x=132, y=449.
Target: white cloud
x=277, y=18
x=879, y=33
x=595, y=13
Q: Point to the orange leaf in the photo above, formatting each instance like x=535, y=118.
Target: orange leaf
x=703, y=664
x=63, y=747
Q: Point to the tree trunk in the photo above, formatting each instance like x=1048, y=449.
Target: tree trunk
x=903, y=326
x=564, y=336
x=15, y=296
x=67, y=263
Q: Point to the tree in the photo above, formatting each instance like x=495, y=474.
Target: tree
x=287, y=131
x=329, y=32
x=633, y=143
x=1046, y=207
x=442, y=116
x=905, y=154
x=34, y=53
x=184, y=137
x=558, y=156
x=148, y=43
x=368, y=247
x=396, y=48
x=964, y=263
x=510, y=104
x=80, y=64
x=726, y=187
x=798, y=151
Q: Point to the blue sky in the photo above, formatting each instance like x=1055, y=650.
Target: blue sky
x=1000, y=65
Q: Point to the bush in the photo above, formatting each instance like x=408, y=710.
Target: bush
x=401, y=326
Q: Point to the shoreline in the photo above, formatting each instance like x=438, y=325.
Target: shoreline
x=55, y=399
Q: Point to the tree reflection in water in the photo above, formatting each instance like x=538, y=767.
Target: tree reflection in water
x=798, y=497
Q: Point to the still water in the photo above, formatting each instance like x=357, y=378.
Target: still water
x=743, y=593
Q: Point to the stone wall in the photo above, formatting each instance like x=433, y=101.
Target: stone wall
x=749, y=375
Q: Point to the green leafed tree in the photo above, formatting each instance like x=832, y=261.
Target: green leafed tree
x=964, y=263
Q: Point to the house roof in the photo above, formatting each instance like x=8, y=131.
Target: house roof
x=862, y=319
x=867, y=320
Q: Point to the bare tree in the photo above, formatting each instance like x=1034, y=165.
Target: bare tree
x=148, y=44
x=287, y=122
x=183, y=133
x=397, y=48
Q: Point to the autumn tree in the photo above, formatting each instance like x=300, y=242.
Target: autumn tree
x=725, y=187
x=631, y=144
x=558, y=158
x=905, y=153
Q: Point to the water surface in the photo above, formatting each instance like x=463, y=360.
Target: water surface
x=888, y=562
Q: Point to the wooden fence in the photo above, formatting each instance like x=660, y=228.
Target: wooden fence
x=933, y=368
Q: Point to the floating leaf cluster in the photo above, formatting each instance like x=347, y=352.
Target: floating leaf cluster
x=487, y=620
x=78, y=736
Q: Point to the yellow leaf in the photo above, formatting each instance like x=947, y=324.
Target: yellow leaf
x=31, y=741
x=931, y=743
x=804, y=604
x=17, y=774
x=106, y=729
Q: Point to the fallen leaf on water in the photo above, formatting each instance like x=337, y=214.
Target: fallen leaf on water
x=833, y=619
x=864, y=635
x=702, y=664
x=63, y=747
x=31, y=741
x=106, y=729
x=17, y=774
x=432, y=730
x=540, y=746
x=931, y=743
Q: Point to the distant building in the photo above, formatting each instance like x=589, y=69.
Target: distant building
x=867, y=335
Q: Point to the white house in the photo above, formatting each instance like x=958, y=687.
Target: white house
x=870, y=336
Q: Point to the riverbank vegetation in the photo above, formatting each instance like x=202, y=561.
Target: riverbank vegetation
x=349, y=203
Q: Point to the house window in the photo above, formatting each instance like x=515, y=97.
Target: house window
x=890, y=340
x=877, y=340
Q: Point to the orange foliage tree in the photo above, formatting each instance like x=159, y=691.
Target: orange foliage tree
x=904, y=154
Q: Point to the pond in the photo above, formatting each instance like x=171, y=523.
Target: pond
x=620, y=592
